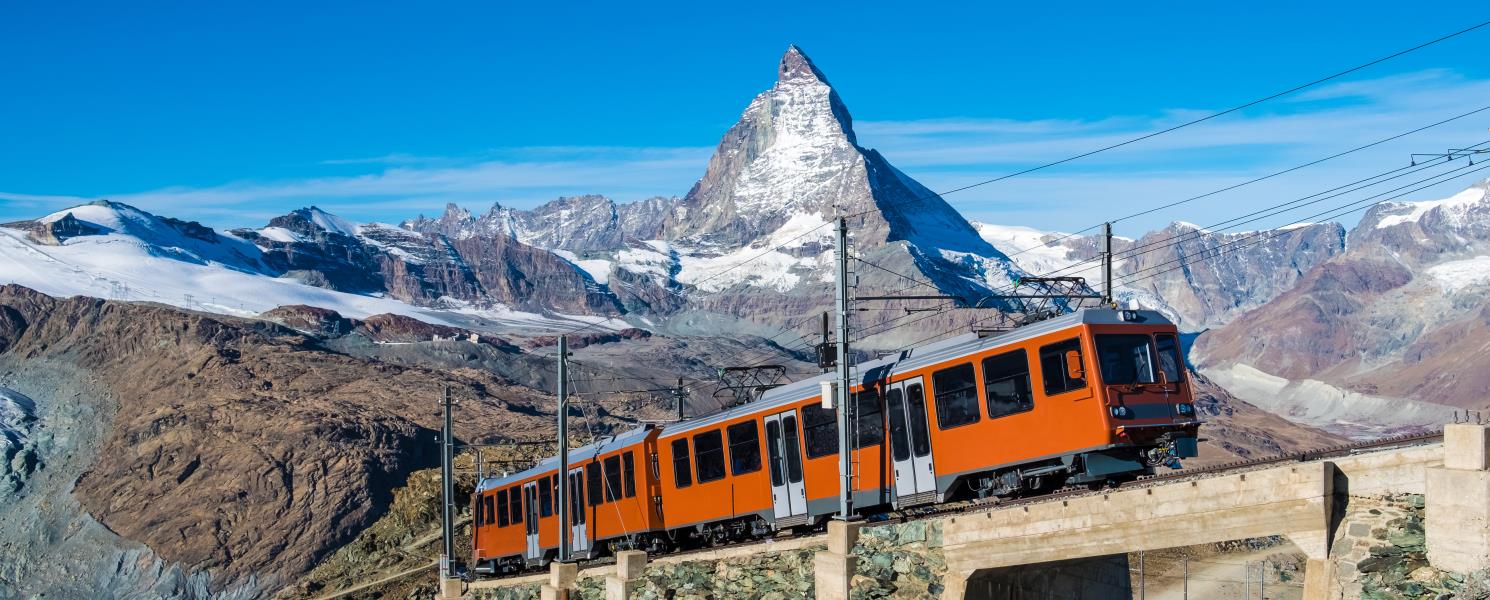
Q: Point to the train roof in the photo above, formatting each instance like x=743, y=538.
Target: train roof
x=576, y=456
x=915, y=358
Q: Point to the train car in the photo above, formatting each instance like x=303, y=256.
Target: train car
x=614, y=500
x=1095, y=397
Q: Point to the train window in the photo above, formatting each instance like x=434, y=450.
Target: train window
x=773, y=446
x=628, y=474
x=682, y=471
x=517, y=505
x=1169, y=356
x=793, y=449
x=593, y=484
x=956, y=396
x=915, y=403
x=744, y=448
x=576, y=498
x=491, y=510
x=708, y=456
x=612, y=479
x=820, y=425
x=1055, y=365
x=900, y=448
x=502, y=514
x=869, y=419
x=480, y=514
x=1006, y=382
x=546, y=497
x=1126, y=358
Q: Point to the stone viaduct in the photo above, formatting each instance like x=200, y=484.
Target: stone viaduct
x=1312, y=504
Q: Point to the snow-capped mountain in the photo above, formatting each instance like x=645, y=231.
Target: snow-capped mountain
x=1392, y=329
x=310, y=257
x=758, y=223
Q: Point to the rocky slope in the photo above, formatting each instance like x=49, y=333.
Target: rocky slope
x=250, y=451
x=1388, y=334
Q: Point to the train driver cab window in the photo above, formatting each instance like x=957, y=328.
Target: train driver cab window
x=490, y=506
x=956, y=396
x=612, y=479
x=820, y=425
x=546, y=497
x=593, y=484
x=1006, y=381
x=869, y=419
x=708, y=456
x=1170, y=362
x=480, y=513
x=1062, y=367
x=1126, y=358
x=744, y=448
x=682, y=471
x=502, y=509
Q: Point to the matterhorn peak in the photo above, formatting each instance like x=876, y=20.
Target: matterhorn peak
x=795, y=65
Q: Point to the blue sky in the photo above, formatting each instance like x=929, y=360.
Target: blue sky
x=230, y=113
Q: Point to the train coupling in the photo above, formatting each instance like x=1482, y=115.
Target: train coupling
x=1170, y=449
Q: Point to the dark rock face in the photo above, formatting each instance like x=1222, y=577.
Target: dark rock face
x=311, y=319
x=56, y=232
x=338, y=261
x=522, y=275
x=427, y=268
x=1208, y=278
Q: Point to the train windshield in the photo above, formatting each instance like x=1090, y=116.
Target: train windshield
x=1126, y=359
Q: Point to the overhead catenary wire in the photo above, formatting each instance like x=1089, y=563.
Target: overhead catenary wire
x=1266, y=212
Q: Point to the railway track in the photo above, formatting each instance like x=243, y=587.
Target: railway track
x=914, y=514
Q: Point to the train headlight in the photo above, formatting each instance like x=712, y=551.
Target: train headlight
x=1121, y=412
x=1185, y=409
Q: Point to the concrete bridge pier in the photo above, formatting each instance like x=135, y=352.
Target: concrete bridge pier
x=833, y=569
x=1456, y=521
x=562, y=577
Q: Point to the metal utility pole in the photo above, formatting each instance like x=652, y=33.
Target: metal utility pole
x=447, y=491
x=845, y=475
x=1107, y=264
x=563, y=496
x=1142, y=578
x=680, y=395
x=1187, y=575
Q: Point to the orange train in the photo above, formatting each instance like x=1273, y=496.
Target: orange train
x=1096, y=397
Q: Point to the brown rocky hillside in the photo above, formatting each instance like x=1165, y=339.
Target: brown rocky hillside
x=244, y=448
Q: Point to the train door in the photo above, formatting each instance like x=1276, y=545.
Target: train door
x=579, y=542
x=784, y=446
x=910, y=443
x=530, y=505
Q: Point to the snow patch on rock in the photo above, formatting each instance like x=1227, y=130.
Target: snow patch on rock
x=1458, y=275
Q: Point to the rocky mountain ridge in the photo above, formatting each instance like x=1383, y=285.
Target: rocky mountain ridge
x=1390, y=331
